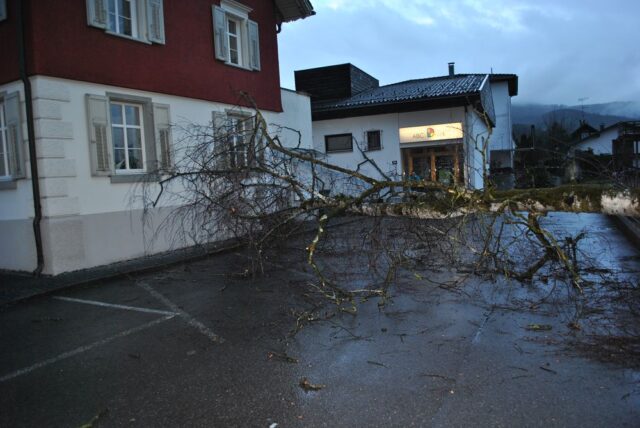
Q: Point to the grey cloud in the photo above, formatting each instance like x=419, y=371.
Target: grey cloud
x=561, y=52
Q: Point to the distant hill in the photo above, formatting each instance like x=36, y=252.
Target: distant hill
x=542, y=115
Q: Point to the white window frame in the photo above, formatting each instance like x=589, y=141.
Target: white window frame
x=125, y=126
x=155, y=135
x=147, y=19
x=239, y=40
x=366, y=136
x=344, y=134
x=239, y=127
x=239, y=14
x=135, y=23
x=3, y=143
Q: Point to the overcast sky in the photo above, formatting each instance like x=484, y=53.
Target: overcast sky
x=562, y=50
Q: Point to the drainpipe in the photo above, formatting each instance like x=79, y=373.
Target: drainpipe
x=33, y=160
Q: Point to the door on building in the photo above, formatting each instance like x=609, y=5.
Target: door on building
x=442, y=164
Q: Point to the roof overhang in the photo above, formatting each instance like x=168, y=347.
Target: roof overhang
x=511, y=79
x=291, y=10
x=397, y=107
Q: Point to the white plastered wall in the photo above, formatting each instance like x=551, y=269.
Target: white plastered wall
x=501, y=135
x=90, y=221
x=600, y=145
x=390, y=124
x=17, y=245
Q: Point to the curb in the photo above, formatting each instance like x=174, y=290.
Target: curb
x=47, y=285
x=630, y=227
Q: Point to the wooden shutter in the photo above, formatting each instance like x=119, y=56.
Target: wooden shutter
x=15, y=142
x=151, y=161
x=162, y=124
x=254, y=45
x=100, y=147
x=97, y=13
x=3, y=10
x=155, y=21
x=220, y=33
x=220, y=140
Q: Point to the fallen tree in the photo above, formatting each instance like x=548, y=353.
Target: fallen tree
x=246, y=182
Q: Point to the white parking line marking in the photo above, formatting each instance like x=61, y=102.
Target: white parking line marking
x=182, y=314
x=82, y=349
x=112, y=305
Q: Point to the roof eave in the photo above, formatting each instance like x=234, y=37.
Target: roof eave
x=396, y=106
x=511, y=79
x=292, y=10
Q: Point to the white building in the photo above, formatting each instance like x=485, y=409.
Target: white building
x=439, y=129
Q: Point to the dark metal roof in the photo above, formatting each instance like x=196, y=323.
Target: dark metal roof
x=459, y=85
x=291, y=10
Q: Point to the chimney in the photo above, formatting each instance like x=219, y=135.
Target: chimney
x=601, y=127
x=452, y=70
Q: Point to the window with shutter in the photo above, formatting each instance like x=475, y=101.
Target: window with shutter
x=141, y=20
x=236, y=37
x=129, y=137
x=236, y=143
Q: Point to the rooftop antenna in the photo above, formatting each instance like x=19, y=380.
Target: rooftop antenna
x=582, y=100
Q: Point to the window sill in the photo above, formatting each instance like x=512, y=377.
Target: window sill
x=134, y=178
x=8, y=184
x=124, y=36
x=241, y=67
x=339, y=151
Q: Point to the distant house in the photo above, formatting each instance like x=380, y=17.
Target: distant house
x=583, y=131
x=90, y=94
x=618, y=138
x=613, y=152
x=445, y=128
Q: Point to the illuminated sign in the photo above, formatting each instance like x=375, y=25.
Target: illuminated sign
x=445, y=131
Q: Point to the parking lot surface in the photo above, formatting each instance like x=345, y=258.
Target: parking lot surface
x=203, y=344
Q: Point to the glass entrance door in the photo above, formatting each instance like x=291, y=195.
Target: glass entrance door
x=445, y=169
x=438, y=164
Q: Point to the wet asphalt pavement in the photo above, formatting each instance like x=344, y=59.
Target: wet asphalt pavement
x=201, y=345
